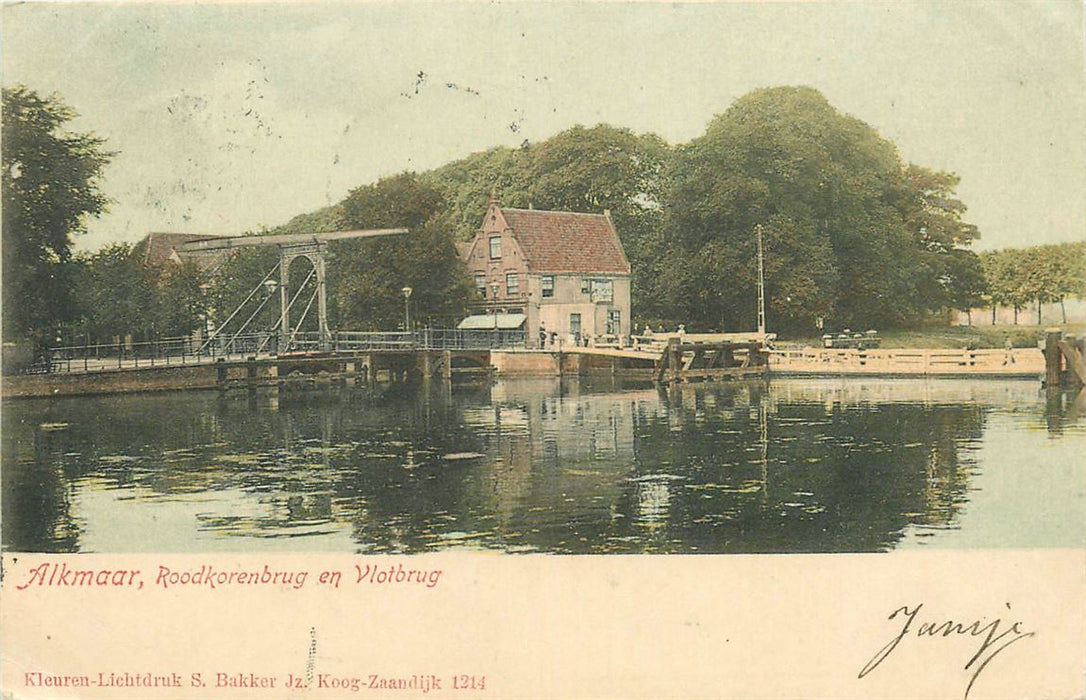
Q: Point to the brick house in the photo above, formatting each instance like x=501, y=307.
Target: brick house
x=564, y=272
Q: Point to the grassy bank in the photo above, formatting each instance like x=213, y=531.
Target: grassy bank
x=958, y=337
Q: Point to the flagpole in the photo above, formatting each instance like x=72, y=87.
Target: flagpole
x=761, y=282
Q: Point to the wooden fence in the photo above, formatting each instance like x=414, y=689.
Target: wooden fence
x=888, y=361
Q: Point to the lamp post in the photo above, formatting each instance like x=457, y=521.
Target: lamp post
x=406, y=308
x=270, y=287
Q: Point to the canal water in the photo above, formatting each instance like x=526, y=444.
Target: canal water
x=795, y=465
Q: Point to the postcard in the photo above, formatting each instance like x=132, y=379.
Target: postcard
x=543, y=350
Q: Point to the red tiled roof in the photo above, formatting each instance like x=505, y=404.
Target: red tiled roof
x=158, y=248
x=559, y=241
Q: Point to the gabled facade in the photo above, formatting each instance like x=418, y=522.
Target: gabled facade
x=565, y=271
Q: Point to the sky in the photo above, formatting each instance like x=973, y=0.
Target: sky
x=226, y=118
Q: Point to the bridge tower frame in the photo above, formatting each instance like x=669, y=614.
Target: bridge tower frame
x=311, y=246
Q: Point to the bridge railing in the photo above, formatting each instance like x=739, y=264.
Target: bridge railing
x=355, y=341
x=187, y=350
x=164, y=352
x=459, y=339
x=423, y=339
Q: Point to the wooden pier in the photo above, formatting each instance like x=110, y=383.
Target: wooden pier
x=673, y=360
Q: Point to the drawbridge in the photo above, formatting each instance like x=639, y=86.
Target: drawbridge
x=291, y=246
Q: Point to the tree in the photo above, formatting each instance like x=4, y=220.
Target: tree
x=933, y=215
x=1068, y=261
x=117, y=293
x=1008, y=280
x=964, y=284
x=50, y=188
x=851, y=234
x=181, y=303
x=467, y=184
x=119, y=296
x=366, y=277
x=1037, y=274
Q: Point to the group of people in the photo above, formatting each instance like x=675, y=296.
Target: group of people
x=551, y=339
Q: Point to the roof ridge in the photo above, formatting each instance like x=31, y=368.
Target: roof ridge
x=551, y=211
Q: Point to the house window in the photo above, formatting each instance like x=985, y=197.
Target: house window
x=614, y=322
x=548, y=285
x=512, y=284
x=495, y=247
x=480, y=284
x=601, y=290
x=575, y=326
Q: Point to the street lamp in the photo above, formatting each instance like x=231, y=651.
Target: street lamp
x=406, y=308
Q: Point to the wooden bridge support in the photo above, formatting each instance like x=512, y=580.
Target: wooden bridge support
x=1065, y=360
x=681, y=362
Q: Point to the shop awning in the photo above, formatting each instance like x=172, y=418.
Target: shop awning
x=501, y=322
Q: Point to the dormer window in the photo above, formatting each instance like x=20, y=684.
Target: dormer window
x=495, y=247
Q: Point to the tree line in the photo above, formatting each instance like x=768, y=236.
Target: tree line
x=1030, y=277
x=853, y=236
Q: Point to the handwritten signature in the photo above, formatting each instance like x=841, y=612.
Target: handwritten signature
x=997, y=636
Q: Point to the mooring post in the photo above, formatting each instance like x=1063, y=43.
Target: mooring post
x=427, y=366
x=1052, y=358
x=1074, y=355
x=446, y=365
x=1082, y=353
x=674, y=358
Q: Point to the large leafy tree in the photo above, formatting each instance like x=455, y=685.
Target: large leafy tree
x=366, y=277
x=466, y=185
x=181, y=299
x=934, y=216
x=850, y=233
x=50, y=188
x=118, y=295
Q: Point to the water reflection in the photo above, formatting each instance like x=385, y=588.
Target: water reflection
x=536, y=465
